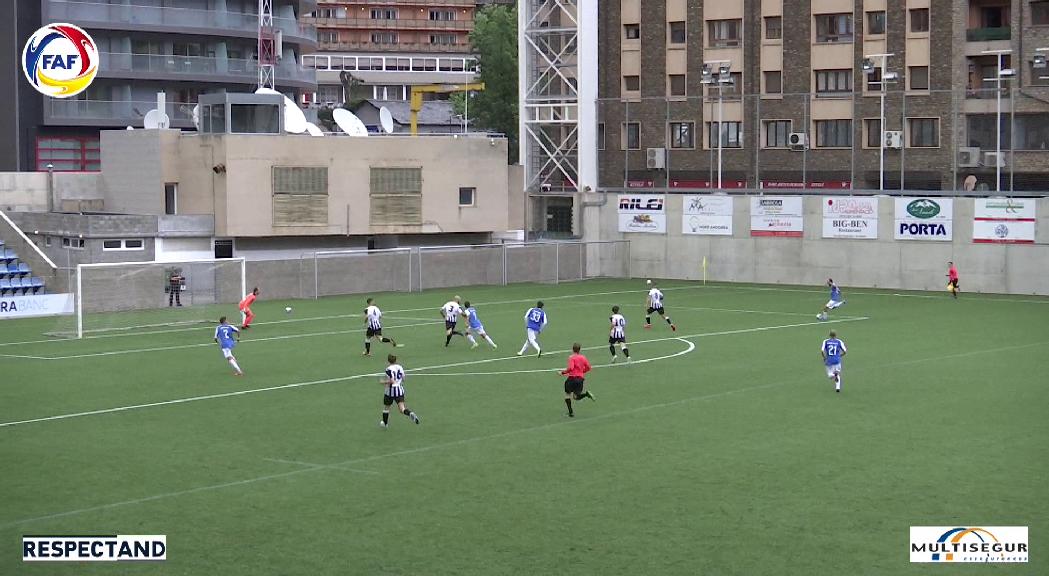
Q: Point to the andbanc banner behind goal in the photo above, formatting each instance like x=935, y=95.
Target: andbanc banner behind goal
x=126, y=296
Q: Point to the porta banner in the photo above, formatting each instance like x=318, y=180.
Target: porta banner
x=645, y=213
x=706, y=215
x=31, y=306
x=850, y=217
x=1004, y=221
x=924, y=219
x=777, y=216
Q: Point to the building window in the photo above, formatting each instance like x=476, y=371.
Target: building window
x=730, y=91
x=773, y=82
x=631, y=136
x=442, y=15
x=872, y=128
x=773, y=27
x=731, y=134
x=723, y=33
x=329, y=94
x=923, y=132
x=682, y=135
x=467, y=196
x=919, y=18
x=122, y=245
x=73, y=243
x=874, y=80
x=384, y=14
x=918, y=77
x=601, y=136
x=384, y=37
x=677, y=32
x=833, y=133
x=442, y=39
x=833, y=81
x=68, y=154
x=171, y=198
x=328, y=37
x=677, y=84
x=631, y=83
x=831, y=28
x=632, y=31
x=876, y=23
x=1040, y=13
x=777, y=133
x=47, y=241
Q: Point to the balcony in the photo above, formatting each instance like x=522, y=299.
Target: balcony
x=197, y=68
x=385, y=63
x=73, y=112
x=988, y=34
x=167, y=19
x=395, y=24
x=399, y=47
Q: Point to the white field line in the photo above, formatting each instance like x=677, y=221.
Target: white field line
x=671, y=308
x=478, y=439
x=24, y=357
x=313, y=465
x=357, y=376
x=434, y=309
x=212, y=344
x=691, y=347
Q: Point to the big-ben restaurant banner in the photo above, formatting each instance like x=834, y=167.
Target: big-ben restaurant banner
x=706, y=215
x=645, y=213
x=850, y=217
x=1004, y=221
x=924, y=219
x=781, y=216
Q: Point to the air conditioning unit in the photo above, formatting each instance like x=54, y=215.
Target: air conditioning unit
x=657, y=158
x=893, y=139
x=968, y=157
x=798, y=140
x=995, y=159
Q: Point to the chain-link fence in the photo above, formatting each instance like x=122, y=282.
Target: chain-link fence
x=980, y=138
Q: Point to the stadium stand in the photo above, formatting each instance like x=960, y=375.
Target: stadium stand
x=16, y=277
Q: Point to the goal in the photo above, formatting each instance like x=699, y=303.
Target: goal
x=129, y=296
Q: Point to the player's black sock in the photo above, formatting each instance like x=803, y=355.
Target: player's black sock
x=626, y=352
x=612, y=349
x=568, y=402
x=667, y=318
x=386, y=417
x=368, y=347
x=584, y=395
x=447, y=339
x=648, y=319
x=407, y=411
x=458, y=332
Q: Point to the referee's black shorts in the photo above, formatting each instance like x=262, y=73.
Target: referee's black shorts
x=574, y=386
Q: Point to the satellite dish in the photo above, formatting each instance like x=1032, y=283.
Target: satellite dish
x=313, y=130
x=386, y=119
x=349, y=122
x=130, y=128
x=294, y=120
x=156, y=119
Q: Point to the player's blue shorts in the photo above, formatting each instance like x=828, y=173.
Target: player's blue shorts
x=477, y=327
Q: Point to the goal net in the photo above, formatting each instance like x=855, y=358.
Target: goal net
x=340, y=272
x=159, y=296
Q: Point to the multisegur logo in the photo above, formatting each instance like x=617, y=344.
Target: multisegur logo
x=923, y=208
x=60, y=60
x=984, y=544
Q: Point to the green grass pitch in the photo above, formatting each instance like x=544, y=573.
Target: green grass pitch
x=721, y=450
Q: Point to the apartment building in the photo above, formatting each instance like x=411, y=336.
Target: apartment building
x=183, y=48
x=790, y=93
x=379, y=49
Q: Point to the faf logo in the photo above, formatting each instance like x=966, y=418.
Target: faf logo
x=923, y=208
x=969, y=544
x=60, y=60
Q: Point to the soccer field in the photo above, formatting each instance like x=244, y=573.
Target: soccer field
x=721, y=449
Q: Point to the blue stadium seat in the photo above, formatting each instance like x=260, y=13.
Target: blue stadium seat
x=12, y=267
x=23, y=268
x=5, y=286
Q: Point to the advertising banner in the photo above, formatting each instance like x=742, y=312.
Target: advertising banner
x=644, y=213
x=30, y=306
x=706, y=215
x=1004, y=221
x=850, y=217
x=924, y=219
x=776, y=216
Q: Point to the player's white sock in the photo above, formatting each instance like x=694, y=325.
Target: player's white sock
x=470, y=337
x=837, y=381
x=233, y=362
x=523, y=348
x=489, y=339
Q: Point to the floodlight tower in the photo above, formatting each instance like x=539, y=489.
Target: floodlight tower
x=267, y=46
x=557, y=74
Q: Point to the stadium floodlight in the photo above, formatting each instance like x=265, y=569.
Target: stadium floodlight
x=1002, y=74
x=1038, y=61
x=886, y=78
x=706, y=75
x=723, y=77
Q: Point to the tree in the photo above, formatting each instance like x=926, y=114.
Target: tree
x=494, y=40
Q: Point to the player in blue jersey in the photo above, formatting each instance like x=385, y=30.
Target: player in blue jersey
x=474, y=326
x=535, y=321
x=834, y=302
x=833, y=351
x=227, y=336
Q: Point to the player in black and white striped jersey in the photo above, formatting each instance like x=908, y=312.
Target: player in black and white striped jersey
x=373, y=327
x=451, y=311
x=617, y=334
x=393, y=391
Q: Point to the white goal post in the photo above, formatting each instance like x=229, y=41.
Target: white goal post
x=123, y=296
